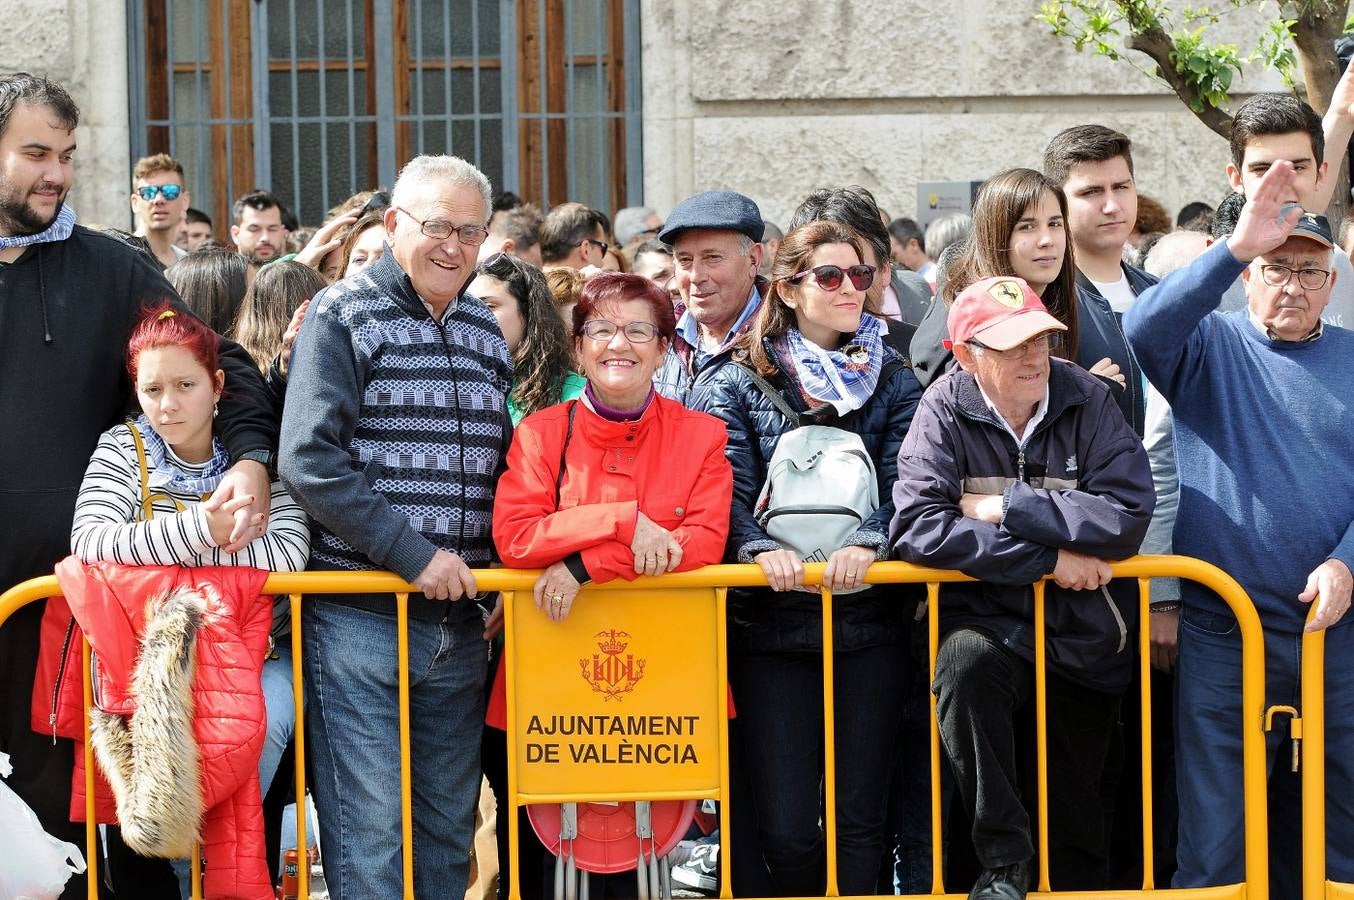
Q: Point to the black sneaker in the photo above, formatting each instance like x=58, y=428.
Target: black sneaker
x=1002, y=883
x=698, y=876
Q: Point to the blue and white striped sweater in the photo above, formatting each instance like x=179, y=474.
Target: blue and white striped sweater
x=395, y=425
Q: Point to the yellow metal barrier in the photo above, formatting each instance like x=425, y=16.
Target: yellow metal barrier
x=1316, y=885
x=517, y=585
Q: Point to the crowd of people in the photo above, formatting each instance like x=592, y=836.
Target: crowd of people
x=439, y=378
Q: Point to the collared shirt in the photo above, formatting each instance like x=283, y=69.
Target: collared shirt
x=1039, y=412
x=1316, y=333
x=451, y=308
x=688, y=329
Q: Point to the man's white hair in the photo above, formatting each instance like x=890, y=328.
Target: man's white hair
x=422, y=171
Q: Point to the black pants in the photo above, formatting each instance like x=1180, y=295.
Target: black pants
x=985, y=704
x=780, y=725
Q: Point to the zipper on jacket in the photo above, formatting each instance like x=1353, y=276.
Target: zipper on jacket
x=60, y=675
x=1020, y=462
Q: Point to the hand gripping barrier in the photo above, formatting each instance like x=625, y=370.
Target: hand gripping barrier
x=543, y=667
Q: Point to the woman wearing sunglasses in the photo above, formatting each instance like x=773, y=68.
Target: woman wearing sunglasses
x=1020, y=229
x=816, y=344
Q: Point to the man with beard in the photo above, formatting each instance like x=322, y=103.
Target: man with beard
x=68, y=298
x=258, y=231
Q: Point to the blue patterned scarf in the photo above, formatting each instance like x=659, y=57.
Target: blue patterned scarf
x=59, y=230
x=167, y=472
x=845, y=378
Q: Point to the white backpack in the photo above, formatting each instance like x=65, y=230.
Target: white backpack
x=820, y=485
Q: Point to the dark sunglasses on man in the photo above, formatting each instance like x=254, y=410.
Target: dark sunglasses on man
x=830, y=277
x=148, y=192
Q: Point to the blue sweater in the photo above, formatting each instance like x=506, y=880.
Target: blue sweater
x=1264, y=438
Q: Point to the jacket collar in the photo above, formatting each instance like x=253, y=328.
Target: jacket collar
x=1065, y=390
x=1138, y=280
x=394, y=283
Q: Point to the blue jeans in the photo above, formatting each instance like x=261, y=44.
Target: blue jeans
x=1208, y=713
x=352, y=697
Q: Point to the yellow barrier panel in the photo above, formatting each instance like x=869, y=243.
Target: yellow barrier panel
x=1316, y=884
x=673, y=781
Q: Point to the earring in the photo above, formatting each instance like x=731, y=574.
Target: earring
x=216, y=409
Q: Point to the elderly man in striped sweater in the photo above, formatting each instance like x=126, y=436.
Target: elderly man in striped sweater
x=394, y=432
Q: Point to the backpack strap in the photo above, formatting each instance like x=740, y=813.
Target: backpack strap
x=149, y=497
x=147, y=512
x=776, y=397
x=568, y=433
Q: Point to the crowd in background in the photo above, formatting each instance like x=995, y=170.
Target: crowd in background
x=438, y=378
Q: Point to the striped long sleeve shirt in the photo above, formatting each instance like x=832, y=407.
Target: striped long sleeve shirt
x=106, y=513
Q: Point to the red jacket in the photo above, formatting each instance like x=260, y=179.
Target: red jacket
x=113, y=606
x=669, y=464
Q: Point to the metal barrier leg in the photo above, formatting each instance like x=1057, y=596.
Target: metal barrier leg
x=299, y=698
x=1145, y=714
x=829, y=746
x=406, y=803
x=1041, y=729
x=91, y=826
x=937, y=820
x=1313, y=675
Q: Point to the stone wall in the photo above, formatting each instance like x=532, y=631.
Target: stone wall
x=83, y=45
x=776, y=97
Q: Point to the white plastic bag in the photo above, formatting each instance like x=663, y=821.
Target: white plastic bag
x=33, y=864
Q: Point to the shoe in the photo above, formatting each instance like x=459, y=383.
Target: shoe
x=700, y=873
x=1002, y=883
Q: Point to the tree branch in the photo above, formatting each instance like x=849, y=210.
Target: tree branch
x=1317, y=24
x=1158, y=45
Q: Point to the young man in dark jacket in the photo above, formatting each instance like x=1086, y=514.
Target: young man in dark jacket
x=69, y=297
x=1020, y=466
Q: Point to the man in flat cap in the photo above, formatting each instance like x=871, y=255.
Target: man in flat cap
x=1019, y=465
x=715, y=238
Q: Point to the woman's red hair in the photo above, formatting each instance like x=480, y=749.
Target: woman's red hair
x=164, y=326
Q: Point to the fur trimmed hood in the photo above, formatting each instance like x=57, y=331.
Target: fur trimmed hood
x=178, y=722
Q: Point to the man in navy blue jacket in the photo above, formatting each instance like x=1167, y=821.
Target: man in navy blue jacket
x=1018, y=466
x=1261, y=398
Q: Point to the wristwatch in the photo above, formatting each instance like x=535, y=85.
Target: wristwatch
x=267, y=457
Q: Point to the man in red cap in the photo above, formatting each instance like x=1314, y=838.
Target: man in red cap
x=1017, y=466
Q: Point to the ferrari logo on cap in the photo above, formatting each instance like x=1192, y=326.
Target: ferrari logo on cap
x=1007, y=293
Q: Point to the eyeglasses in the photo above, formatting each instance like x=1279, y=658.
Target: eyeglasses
x=600, y=246
x=1049, y=340
x=471, y=234
x=830, y=278
x=1310, y=279
x=148, y=192
x=635, y=332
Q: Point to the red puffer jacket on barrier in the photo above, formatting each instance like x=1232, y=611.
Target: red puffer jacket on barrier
x=178, y=721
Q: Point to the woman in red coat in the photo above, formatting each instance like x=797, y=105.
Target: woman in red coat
x=621, y=482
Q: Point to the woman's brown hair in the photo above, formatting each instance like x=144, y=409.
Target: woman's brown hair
x=1001, y=203
x=774, y=318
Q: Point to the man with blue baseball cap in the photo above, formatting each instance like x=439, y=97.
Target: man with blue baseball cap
x=715, y=238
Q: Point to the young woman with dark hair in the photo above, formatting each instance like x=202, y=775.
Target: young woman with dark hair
x=1020, y=229
x=277, y=292
x=213, y=284
x=517, y=294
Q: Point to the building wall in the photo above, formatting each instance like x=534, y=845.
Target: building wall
x=83, y=45
x=776, y=97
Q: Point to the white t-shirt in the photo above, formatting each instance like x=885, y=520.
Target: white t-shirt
x=1118, y=293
